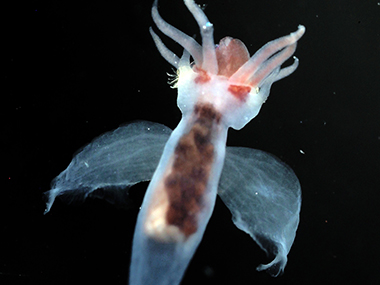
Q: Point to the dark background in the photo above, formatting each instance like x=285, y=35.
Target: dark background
x=75, y=71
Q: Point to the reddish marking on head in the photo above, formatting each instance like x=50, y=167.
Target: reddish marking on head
x=231, y=54
x=202, y=77
x=239, y=91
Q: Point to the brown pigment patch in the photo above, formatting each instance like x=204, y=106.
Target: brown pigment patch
x=193, y=158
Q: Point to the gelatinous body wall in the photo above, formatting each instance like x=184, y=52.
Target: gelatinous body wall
x=186, y=181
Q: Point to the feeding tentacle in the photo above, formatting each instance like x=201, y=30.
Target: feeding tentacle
x=262, y=57
x=209, y=62
x=181, y=38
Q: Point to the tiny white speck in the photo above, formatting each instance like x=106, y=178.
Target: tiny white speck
x=85, y=163
x=256, y=193
x=148, y=129
x=207, y=26
x=302, y=152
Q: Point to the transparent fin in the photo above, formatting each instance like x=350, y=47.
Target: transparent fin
x=112, y=162
x=264, y=197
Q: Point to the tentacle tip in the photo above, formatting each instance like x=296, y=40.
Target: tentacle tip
x=301, y=30
x=299, y=33
x=301, y=27
x=153, y=33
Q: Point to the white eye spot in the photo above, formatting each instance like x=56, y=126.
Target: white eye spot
x=302, y=152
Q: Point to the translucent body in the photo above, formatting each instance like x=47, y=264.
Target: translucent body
x=161, y=256
x=223, y=88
